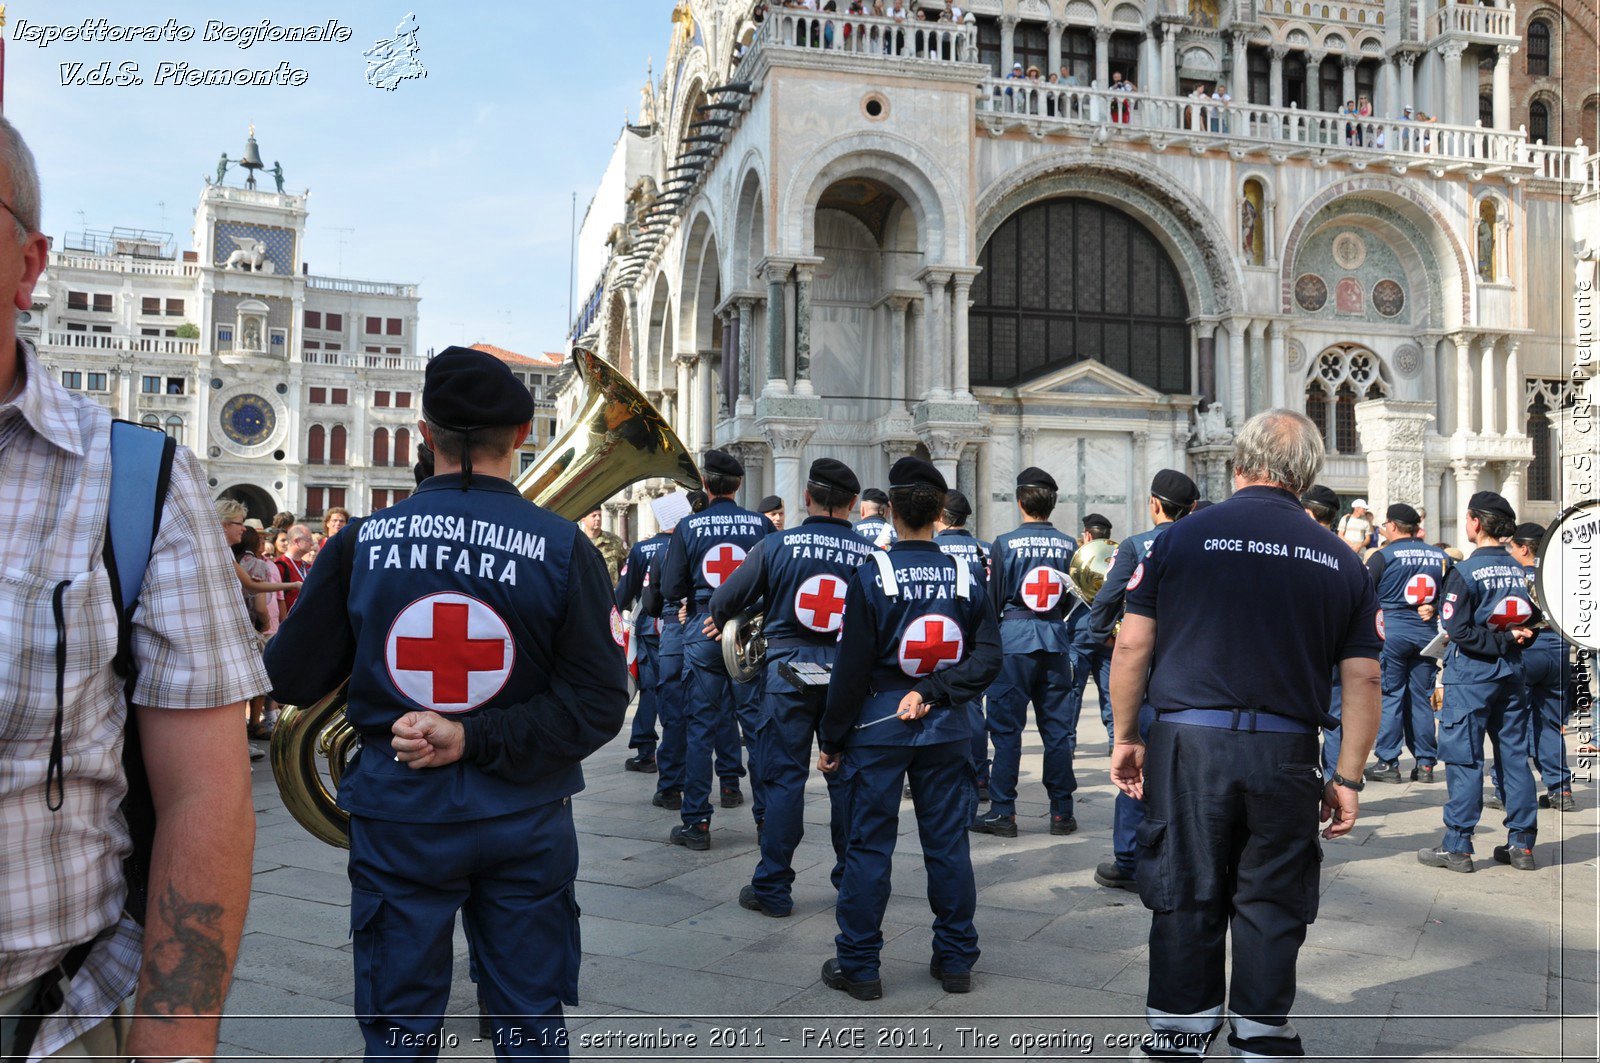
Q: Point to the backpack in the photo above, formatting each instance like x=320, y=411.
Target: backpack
x=141, y=471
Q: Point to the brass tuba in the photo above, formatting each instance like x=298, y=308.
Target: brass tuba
x=616, y=438
x=1087, y=572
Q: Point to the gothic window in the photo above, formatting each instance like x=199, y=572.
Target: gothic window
x=1344, y=421
x=1541, y=482
x=1539, y=122
x=1071, y=279
x=1538, y=48
x=1342, y=377
x=1317, y=407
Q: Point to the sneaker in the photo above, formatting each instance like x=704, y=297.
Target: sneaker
x=1563, y=802
x=999, y=826
x=952, y=981
x=732, y=797
x=647, y=765
x=1383, y=771
x=1493, y=802
x=1063, y=825
x=1113, y=876
x=1442, y=857
x=833, y=978
x=668, y=799
x=749, y=901
x=695, y=836
x=1515, y=855
x=257, y=754
x=1422, y=773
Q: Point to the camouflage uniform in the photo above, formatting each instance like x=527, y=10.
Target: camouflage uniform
x=613, y=550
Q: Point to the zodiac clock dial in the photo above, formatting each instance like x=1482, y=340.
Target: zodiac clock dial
x=248, y=419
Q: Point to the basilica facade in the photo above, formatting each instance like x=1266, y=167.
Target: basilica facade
x=1095, y=237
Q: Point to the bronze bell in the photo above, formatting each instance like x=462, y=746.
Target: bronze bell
x=251, y=160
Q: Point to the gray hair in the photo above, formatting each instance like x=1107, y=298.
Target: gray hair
x=1279, y=447
x=229, y=509
x=18, y=162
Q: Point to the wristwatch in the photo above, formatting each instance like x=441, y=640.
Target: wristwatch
x=1354, y=787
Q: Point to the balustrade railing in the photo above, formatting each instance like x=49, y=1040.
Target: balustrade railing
x=355, y=287
x=1183, y=116
x=120, y=342
x=363, y=360
x=1473, y=20
x=145, y=267
x=866, y=35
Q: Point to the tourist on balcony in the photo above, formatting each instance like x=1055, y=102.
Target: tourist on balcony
x=1349, y=111
x=1221, y=99
x=1120, y=110
x=1195, y=116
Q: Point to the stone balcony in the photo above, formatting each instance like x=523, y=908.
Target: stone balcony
x=1473, y=24
x=1167, y=122
x=363, y=360
x=355, y=287
x=140, y=267
x=886, y=42
x=120, y=343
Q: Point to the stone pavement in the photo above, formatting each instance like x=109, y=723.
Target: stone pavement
x=1403, y=962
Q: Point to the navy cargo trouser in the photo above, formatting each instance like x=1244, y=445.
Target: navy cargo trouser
x=715, y=708
x=512, y=879
x=1045, y=679
x=1472, y=712
x=1229, y=843
x=643, y=737
x=671, y=697
x=1408, y=679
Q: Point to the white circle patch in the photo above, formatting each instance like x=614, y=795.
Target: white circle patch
x=1042, y=588
x=1137, y=577
x=930, y=643
x=1420, y=589
x=449, y=652
x=720, y=562
x=819, y=604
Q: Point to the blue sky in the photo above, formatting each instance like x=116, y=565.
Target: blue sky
x=461, y=182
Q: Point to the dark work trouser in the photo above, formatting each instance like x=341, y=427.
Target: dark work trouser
x=945, y=801
x=715, y=708
x=1229, y=844
x=1542, y=675
x=1128, y=812
x=512, y=879
x=1471, y=712
x=643, y=737
x=1045, y=680
x=1407, y=680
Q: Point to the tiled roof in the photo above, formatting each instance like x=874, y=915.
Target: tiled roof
x=541, y=361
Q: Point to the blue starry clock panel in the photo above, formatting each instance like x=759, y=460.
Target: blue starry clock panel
x=244, y=240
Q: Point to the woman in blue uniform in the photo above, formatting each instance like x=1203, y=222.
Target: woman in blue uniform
x=919, y=641
x=1544, y=664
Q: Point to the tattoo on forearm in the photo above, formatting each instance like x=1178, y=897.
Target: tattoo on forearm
x=187, y=971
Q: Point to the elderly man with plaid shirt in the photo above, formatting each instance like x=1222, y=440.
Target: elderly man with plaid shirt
x=67, y=946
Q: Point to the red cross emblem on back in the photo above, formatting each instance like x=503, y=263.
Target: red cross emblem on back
x=1509, y=613
x=819, y=604
x=449, y=652
x=720, y=562
x=1420, y=589
x=1042, y=589
x=929, y=644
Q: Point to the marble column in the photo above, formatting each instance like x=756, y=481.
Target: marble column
x=1275, y=79
x=728, y=378
x=1241, y=69
x=788, y=443
x=1277, y=363
x=1008, y=30
x=960, y=357
x=917, y=379
x=1259, y=387
x=684, y=403
x=1511, y=480
x=1515, y=408
x=1388, y=90
x=1205, y=353
x=1026, y=437
x=898, y=355
x=802, y=329
x=704, y=402
x=1102, y=57
x=1502, y=85
x=1053, y=55
x=1314, y=80
x=944, y=450
x=1349, y=85
x=1408, y=82
x=746, y=338
x=935, y=355
x=1238, y=371
x=777, y=276
x=1463, y=384
x=1452, y=54
x=1169, y=62
x=1466, y=473
x=1488, y=387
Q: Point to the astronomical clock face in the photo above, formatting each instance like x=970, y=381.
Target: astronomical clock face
x=248, y=420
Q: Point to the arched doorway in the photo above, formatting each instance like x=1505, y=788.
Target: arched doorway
x=1070, y=279
x=257, y=502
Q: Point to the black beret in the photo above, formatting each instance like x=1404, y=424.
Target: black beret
x=875, y=494
x=1322, y=496
x=1170, y=485
x=592, y=510
x=1033, y=476
x=1204, y=503
x=1401, y=513
x=770, y=504
x=835, y=474
x=1530, y=533
x=698, y=500
x=464, y=389
x=912, y=471
x=722, y=463
x=956, y=504
x=1491, y=502
x=1097, y=520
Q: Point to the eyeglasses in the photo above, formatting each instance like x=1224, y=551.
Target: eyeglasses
x=9, y=210
x=233, y=524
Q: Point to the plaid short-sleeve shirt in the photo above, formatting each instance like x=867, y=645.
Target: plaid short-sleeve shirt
x=61, y=877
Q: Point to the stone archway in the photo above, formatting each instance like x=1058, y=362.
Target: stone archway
x=257, y=501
